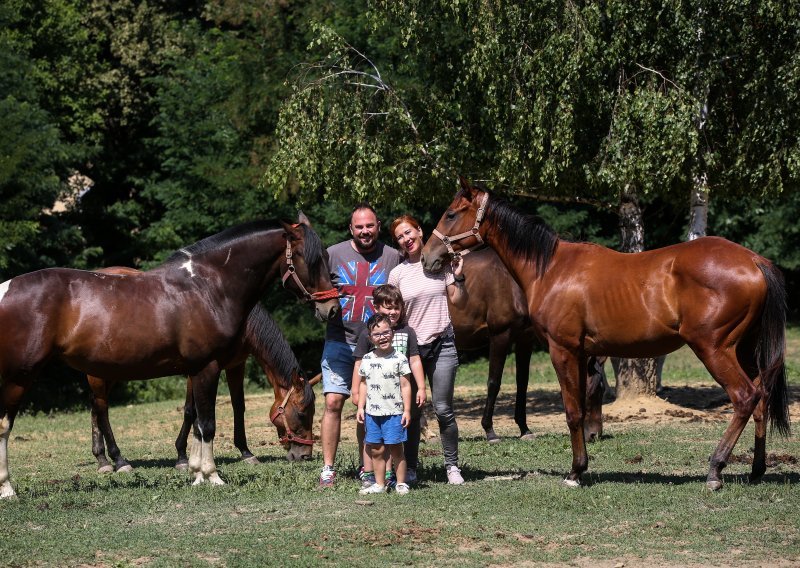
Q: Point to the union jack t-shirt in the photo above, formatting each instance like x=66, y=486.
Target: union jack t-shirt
x=356, y=275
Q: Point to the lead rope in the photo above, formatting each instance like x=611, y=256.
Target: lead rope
x=292, y=273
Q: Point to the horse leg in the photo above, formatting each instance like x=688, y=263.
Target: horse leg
x=98, y=445
x=235, y=378
x=760, y=446
x=725, y=368
x=10, y=398
x=201, y=461
x=571, y=371
x=189, y=416
x=498, y=349
x=595, y=391
x=524, y=350
x=100, y=422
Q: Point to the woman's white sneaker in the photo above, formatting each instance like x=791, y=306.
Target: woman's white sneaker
x=454, y=475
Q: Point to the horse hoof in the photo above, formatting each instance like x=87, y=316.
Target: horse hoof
x=252, y=460
x=127, y=468
x=215, y=479
x=527, y=436
x=493, y=439
x=571, y=483
x=6, y=491
x=105, y=469
x=198, y=479
x=714, y=485
x=182, y=465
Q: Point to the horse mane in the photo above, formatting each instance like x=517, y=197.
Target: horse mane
x=312, y=245
x=223, y=239
x=312, y=251
x=268, y=344
x=527, y=236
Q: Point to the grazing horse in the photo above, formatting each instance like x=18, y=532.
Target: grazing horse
x=186, y=316
x=497, y=314
x=724, y=301
x=292, y=413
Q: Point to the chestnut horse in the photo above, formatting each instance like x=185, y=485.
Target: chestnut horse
x=186, y=316
x=292, y=412
x=497, y=314
x=724, y=301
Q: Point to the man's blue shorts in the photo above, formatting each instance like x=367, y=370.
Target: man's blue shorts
x=337, y=367
x=385, y=429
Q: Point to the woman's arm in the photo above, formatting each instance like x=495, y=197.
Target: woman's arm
x=457, y=291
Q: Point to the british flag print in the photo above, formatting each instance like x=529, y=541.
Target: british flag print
x=357, y=279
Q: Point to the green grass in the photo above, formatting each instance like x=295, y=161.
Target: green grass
x=644, y=501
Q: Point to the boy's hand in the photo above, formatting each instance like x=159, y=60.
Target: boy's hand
x=360, y=416
x=406, y=419
x=421, y=397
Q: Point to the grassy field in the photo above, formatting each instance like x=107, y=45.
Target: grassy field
x=644, y=502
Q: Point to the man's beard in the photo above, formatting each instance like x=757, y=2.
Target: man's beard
x=360, y=246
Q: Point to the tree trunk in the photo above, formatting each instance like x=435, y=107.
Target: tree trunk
x=635, y=377
x=698, y=208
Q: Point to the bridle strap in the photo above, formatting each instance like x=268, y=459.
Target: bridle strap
x=473, y=232
x=290, y=437
x=292, y=273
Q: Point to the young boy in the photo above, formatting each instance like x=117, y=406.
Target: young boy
x=388, y=300
x=384, y=403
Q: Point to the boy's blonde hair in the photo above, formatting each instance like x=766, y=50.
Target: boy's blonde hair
x=387, y=294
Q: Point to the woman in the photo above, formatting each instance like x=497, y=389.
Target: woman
x=425, y=296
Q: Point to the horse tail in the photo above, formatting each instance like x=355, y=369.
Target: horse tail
x=770, y=350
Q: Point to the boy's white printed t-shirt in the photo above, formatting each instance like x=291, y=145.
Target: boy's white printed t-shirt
x=382, y=376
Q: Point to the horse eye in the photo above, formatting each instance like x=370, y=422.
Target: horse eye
x=451, y=214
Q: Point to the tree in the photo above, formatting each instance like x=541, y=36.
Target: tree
x=621, y=102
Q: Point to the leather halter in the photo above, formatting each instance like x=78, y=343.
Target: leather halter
x=473, y=232
x=292, y=273
x=290, y=437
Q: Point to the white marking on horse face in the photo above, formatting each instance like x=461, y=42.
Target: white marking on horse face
x=228, y=258
x=188, y=267
x=4, y=288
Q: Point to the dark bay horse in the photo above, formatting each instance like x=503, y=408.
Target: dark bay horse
x=497, y=315
x=724, y=301
x=292, y=412
x=186, y=316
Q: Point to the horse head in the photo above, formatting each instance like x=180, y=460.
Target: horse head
x=459, y=230
x=307, y=269
x=293, y=417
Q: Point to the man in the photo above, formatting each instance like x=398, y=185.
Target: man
x=357, y=266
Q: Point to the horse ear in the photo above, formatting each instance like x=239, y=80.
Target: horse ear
x=466, y=188
x=315, y=379
x=290, y=231
x=302, y=219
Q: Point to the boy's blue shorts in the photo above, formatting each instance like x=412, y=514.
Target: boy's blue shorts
x=384, y=429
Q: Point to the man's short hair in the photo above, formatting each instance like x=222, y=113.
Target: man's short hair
x=359, y=207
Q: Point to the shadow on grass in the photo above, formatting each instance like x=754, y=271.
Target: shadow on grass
x=437, y=474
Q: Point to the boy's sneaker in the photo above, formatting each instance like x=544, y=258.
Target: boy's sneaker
x=411, y=476
x=390, y=480
x=327, y=477
x=454, y=475
x=402, y=489
x=367, y=478
x=372, y=489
